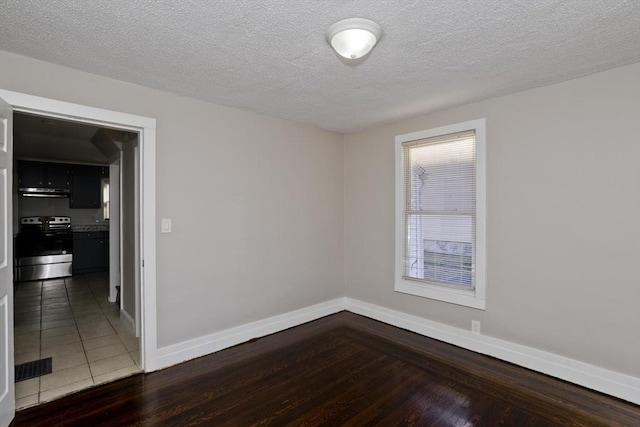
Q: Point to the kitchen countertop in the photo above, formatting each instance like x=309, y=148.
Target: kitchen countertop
x=90, y=227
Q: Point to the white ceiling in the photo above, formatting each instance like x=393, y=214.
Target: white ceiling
x=271, y=56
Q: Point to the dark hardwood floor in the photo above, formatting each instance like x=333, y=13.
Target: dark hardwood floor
x=343, y=369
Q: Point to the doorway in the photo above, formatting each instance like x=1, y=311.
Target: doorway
x=71, y=331
x=144, y=196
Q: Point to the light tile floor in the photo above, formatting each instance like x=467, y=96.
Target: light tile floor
x=71, y=321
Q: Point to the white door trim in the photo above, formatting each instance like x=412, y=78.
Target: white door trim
x=114, y=230
x=7, y=389
x=146, y=128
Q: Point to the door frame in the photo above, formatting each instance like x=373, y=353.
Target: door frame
x=146, y=129
x=7, y=389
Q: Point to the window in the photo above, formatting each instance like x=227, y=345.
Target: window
x=440, y=214
x=105, y=198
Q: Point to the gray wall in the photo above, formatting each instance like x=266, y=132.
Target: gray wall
x=563, y=231
x=256, y=202
x=270, y=216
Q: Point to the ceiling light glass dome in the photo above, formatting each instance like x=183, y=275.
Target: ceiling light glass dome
x=354, y=38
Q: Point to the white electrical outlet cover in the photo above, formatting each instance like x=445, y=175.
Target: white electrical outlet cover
x=475, y=327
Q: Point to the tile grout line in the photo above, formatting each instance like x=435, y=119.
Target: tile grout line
x=112, y=327
x=93, y=295
x=115, y=330
x=18, y=293
x=84, y=351
x=86, y=293
x=41, y=332
x=78, y=329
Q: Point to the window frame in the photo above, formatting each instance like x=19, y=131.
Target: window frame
x=106, y=205
x=474, y=298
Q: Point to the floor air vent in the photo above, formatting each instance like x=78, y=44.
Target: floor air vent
x=37, y=368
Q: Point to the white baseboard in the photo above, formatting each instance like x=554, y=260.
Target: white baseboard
x=590, y=376
x=187, y=350
x=128, y=321
x=113, y=292
x=603, y=380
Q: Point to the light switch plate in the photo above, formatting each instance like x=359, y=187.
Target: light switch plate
x=166, y=225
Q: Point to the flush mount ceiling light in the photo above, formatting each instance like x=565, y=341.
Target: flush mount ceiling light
x=353, y=38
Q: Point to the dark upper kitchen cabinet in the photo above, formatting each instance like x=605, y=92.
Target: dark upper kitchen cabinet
x=90, y=251
x=86, y=186
x=81, y=183
x=42, y=175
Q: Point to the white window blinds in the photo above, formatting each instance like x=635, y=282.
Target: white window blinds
x=440, y=209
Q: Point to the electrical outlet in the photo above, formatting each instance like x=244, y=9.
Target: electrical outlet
x=475, y=326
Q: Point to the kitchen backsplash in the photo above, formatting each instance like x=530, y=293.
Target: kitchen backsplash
x=60, y=207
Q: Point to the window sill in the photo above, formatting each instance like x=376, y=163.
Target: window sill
x=454, y=296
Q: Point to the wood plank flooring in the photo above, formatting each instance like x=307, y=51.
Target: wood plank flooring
x=343, y=369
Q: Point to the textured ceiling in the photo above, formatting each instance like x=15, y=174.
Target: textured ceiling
x=271, y=56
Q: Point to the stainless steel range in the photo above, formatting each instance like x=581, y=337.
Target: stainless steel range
x=44, y=248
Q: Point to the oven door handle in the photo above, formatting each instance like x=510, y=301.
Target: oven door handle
x=47, y=195
x=62, y=234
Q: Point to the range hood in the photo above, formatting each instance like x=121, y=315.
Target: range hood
x=43, y=192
